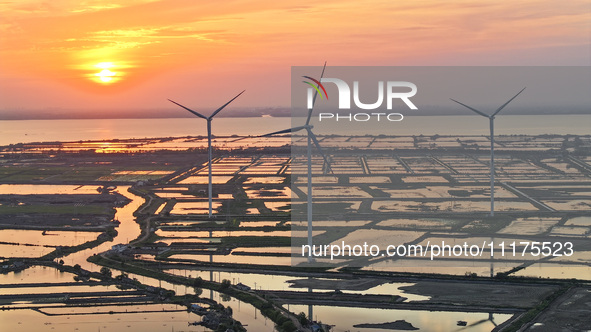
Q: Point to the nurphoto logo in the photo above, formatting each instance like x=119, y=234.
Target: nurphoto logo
x=393, y=90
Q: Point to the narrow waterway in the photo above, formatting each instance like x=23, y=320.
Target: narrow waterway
x=128, y=230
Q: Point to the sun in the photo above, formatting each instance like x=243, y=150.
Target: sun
x=105, y=75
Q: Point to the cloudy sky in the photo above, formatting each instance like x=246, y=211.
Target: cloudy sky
x=86, y=55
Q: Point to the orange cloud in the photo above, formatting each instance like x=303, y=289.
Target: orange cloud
x=158, y=43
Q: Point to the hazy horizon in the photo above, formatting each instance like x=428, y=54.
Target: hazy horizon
x=278, y=112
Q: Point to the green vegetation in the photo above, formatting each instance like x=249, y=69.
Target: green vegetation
x=225, y=284
x=16, y=174
x=107, y=235
x=89, y=173
x=517, y=324
x=302, y=318
x=106, y=272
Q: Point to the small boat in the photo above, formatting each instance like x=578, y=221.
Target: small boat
x=462, y=323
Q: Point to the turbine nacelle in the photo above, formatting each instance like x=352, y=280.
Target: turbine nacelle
x=308, y=127
x=208, y=118
x=209, y=149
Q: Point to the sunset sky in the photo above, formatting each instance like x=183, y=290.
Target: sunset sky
x=88, y=55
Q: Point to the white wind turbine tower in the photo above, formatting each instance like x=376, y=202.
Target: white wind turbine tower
x=208, y=119
x=492, y=146
x=311, y=138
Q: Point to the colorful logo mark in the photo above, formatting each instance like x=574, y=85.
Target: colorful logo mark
x=318, y=84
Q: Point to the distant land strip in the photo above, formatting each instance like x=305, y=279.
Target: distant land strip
x=59, y=113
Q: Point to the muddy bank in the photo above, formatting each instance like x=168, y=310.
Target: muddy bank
x=481, y=294
x=399, y=325
x=84, y=212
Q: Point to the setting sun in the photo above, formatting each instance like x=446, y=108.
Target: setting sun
x=105, y=75
x=141, y=51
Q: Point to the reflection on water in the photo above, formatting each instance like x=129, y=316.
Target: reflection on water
x=237, y=259
x=45, y=189
x=193, y=207
x=243, y=312
x=127, y=230
x=265, y=180
x=282, y=250
x=78, y=288
x=205, y=179
x=22, y=131
x=394, y=289
x=36, y=274
x=246, y=314
x=57, y=238
x=481, y=268
x=32, y=321
x=579, y=221
x=282, y=282
x=260, y=281
x=18, y=251
x=529, y=226
x=559, y=271
x=345, y=318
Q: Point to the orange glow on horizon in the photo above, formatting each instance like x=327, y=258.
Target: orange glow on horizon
x=137, y=53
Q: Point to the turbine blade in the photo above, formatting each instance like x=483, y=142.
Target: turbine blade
x=315, y=140
x=285, y=131
x=471, y=108
x=505, y=104
x=315, y=95
x=190, y=110
x=226, y=104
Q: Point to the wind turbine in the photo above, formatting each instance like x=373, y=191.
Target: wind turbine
x=491, y=119
x=311, y=138
x=208, y=119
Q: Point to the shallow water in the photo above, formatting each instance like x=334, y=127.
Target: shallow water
x=282, y=282
x=579, y=221
x=554, y=270
x=127, y=230
x=46, y=189
x=206, y=234
x=244, y=312
x=17, y=251
x=345, y=318
x=30, y=321
x=36, y=274
x=51, y=238
x=238, y=259
x=21, y=131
